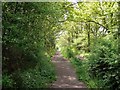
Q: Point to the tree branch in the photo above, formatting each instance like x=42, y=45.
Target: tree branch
x=86, y=22
x=98, y=24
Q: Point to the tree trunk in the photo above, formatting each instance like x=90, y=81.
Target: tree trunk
x=88, y=34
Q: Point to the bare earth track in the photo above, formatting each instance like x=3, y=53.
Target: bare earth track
x=66, y=76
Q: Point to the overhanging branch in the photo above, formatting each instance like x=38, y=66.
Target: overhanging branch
x=98, y=24
x=85, y=21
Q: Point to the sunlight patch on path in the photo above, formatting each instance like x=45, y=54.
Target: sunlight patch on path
x=66, y=76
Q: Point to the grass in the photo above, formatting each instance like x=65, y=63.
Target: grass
x=41, y=76
x=83, y=74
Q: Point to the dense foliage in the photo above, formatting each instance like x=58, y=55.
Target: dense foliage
x=105, y=63
x=88, y=34
x=91, y=42
x=28, y=43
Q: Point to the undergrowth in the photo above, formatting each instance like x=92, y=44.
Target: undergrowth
x=83, y=73
x=39, y=77
x=99, y=69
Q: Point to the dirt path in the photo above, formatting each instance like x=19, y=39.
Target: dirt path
x=66, y=76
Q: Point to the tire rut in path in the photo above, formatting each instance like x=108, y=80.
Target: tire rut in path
x=66, y=76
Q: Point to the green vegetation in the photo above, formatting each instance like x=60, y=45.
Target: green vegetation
x=91, y=43
x=87, y=34
x=28, y=43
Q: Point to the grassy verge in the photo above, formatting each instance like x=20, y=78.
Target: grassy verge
x=83, y=74
x=39, y=77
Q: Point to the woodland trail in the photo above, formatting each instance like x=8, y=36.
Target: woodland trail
x=66, y=76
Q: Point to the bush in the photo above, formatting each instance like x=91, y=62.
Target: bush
x=25, y=42
x=83, y=74
x=7, y=81
x=32, y=79
x=100, y=69
x=38, y=77
x=67, y=52
x=104, y=63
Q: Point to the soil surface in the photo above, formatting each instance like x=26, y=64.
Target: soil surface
x=66, y=76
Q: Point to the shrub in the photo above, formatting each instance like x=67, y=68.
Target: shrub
x=83, y=74
x=32, y=79
x=38, y=77
x=67, y=52
x=104, y=63
x=7, y=81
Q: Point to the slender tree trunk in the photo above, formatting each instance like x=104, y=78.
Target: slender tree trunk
x=88, y=34
x=96, y=35
x=89, y=38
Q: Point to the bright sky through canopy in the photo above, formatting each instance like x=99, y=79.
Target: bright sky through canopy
x=74, y=1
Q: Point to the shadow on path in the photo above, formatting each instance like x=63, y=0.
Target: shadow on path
x=66, y=76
